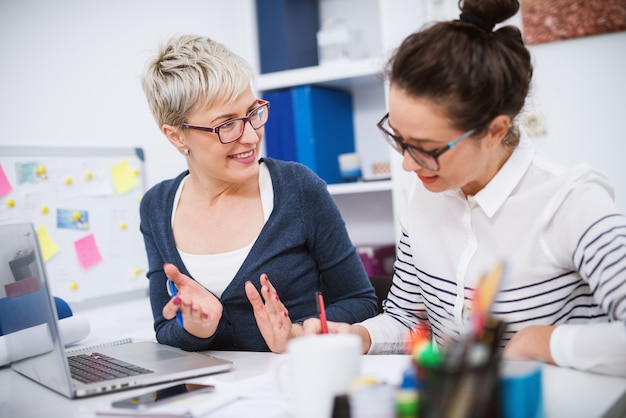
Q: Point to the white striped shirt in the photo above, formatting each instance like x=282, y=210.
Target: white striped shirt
x=564, y=243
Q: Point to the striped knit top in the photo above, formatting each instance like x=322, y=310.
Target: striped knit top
x=557, y=229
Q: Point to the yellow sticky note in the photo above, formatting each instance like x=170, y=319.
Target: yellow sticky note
x=47, y=244
x=123, y=177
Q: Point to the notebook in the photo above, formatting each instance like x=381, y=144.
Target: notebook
x=29, y=322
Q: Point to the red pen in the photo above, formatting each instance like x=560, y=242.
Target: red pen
x=322, y=312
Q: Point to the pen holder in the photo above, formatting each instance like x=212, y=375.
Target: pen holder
x=460, y=392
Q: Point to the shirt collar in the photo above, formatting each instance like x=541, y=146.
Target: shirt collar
x=495, y=193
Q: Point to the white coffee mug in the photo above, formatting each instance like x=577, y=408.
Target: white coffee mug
x=317, y=368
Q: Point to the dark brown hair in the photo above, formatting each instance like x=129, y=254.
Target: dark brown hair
x=475, y=73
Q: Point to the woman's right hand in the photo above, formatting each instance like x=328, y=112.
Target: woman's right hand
x=271, y=315
x=201, y=310
x=313, y=326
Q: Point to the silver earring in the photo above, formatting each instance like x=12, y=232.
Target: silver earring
x=186, y=152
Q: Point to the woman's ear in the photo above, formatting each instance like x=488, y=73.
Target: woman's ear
x=498, y=128
x=172, y=133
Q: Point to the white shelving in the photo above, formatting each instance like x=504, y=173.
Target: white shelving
x=360, y=187
x=368, y=206
x=348, y=74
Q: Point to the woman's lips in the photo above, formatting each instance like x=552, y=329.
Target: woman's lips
x=427, y=180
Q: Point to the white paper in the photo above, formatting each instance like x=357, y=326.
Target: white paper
x=72, y=330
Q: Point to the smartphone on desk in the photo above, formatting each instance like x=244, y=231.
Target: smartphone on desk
x=157, y=397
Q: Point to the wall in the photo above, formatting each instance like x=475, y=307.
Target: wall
x=579, y=89
x=71, y=69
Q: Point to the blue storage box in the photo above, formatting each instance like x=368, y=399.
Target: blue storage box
x=287, y=33
x=311, y=125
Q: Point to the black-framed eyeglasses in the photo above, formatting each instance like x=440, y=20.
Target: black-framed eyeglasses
x=427, y=159
x=232, y=129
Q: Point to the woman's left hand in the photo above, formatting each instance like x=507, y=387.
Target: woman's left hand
x=530, y=343
x=271, y=315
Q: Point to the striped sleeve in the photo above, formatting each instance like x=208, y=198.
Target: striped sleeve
x=403, y=309
x=601, y=259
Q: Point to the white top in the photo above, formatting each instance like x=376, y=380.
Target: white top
x=564, y=243
x=215, y=271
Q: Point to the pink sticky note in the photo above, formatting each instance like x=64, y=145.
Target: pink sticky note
x=5, y=186
x=87, y=251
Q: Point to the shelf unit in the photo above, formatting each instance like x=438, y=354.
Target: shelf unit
x=367, y=206
x=360, y=187
x=342, y=75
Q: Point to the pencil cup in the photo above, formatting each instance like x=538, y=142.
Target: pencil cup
x=464, y=391
x=316, y=369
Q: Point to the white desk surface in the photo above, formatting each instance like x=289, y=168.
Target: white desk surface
x=567, y=393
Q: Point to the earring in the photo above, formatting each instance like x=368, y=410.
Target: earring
x=186, y=152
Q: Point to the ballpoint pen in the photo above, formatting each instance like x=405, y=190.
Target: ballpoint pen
x=322, y=311
x=171, y=289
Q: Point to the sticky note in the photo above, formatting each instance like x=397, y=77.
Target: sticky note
x=47, y=244
x=124, y=178
x=87, y=251
x=5, y=186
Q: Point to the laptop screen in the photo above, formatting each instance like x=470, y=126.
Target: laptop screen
x=27, y=311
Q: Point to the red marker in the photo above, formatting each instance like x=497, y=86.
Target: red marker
x=322, y=312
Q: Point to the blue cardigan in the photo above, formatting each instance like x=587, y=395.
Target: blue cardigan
x=303, y=247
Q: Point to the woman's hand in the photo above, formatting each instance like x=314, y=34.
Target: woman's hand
x=530, y=343
x=271, y=316
x=201, y=310
x=313, y=326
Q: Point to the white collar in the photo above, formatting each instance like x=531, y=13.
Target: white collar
x=501, y=186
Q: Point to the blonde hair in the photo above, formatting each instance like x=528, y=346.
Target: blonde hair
x=190, y=72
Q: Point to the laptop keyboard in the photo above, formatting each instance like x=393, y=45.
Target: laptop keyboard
x=96, y=367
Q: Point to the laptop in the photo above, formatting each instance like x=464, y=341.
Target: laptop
x=29, y=322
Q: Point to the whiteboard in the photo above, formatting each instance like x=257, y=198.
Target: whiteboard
x=84, y=204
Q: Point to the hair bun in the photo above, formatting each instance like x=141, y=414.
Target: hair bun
x=481, y=23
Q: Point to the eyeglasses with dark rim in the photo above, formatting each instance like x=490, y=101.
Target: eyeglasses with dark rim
x=427, y=159
x=232, y=129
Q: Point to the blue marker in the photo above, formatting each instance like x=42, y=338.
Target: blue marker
x=171, y=289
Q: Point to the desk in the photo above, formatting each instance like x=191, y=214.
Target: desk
x=567, y=393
